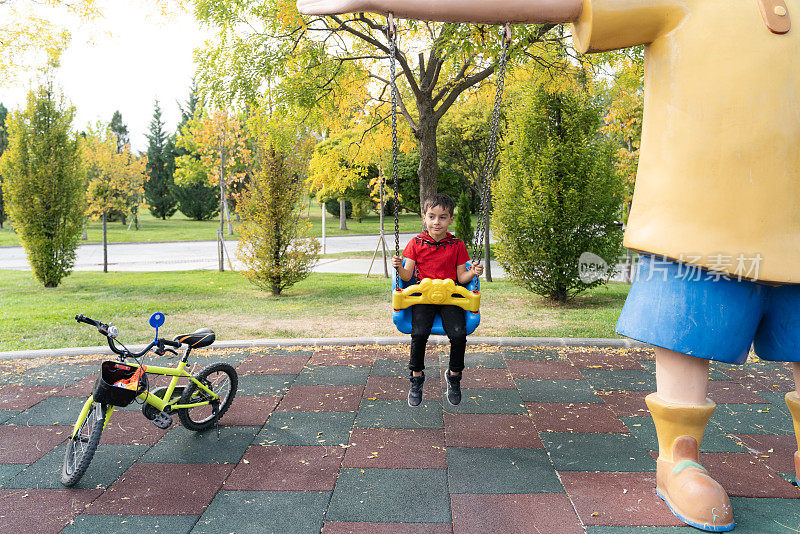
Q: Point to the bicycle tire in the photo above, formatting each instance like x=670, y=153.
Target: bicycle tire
x=78, y=457
x=198, y=418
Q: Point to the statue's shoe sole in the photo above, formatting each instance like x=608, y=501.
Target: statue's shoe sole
x=702, y=526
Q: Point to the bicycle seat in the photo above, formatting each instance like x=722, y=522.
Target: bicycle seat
x=197, y=339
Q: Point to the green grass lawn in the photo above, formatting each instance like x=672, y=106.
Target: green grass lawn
x=324, y=305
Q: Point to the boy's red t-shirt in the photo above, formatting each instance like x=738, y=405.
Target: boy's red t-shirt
x=437, y=259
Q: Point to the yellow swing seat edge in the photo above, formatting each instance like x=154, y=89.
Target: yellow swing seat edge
x=434, y=291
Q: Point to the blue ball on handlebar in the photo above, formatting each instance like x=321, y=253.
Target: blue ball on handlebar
x=157, y=319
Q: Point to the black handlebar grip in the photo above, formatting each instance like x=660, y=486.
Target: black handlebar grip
x=82, y=319
x=169, y=343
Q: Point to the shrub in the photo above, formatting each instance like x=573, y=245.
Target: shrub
x=463, y=222
x=332, y=207
x=197, y=200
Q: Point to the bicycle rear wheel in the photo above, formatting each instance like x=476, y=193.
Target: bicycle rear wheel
x=82, y=446
x=222, y=379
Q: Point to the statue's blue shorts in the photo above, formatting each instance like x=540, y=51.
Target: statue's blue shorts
x=698, y=312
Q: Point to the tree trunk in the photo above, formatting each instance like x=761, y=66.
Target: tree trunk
x=105, y=244
x=428, y=150
x=487, y=272
x=221, y=226
x=342, y=214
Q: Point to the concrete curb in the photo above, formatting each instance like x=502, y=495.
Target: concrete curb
x=332, y=341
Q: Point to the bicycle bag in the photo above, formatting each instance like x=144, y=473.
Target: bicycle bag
x=110, y=387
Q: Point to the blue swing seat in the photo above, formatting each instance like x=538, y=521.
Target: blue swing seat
x=402, y=318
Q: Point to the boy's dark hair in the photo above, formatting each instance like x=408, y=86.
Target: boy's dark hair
x=439, y=199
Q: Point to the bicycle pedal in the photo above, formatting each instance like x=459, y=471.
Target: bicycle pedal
x=163, y=420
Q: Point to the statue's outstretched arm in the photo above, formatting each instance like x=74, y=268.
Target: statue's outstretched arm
x=477, y=11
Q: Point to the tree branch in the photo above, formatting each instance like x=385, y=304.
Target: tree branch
x=460, y=88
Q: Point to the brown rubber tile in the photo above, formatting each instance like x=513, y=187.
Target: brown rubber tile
x=779, y=380
x=15, y=397
x=617, y=499
x=742, y=475
x=574, y=417
x=21, y=444
x=626, y=403
x=388, y=448
x=484, y=379
x=543, y=370
x=321, y=398
x=601, y=359
x=81, y=388
x=54, y=509
x=344, y=356
x=250, y=410
x=491, y=431
x=162, y=489
x=131, y=428
x=525, y=513
x=389, y=387
x=728, y=391
x=286, y=468
x=272, y=364
x=775, y=451
x=332, y=527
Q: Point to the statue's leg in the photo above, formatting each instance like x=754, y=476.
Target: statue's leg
x=793, y=402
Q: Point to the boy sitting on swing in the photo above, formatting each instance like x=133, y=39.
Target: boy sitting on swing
x=435, y=253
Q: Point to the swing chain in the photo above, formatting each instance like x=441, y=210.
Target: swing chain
x=485, y=189
x=391, y=34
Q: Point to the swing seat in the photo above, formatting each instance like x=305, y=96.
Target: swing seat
x=429, y=291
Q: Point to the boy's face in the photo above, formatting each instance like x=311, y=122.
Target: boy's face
x=437, y=220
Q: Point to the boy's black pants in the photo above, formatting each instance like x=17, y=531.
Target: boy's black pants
x=422, y=316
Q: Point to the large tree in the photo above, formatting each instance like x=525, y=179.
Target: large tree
x=160, y=169
x=120, y=131
x=3, y=146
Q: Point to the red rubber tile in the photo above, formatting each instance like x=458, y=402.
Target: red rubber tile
x=728, y=391
x=389, y=448
x=601, y=359
x=344, y=356
x=527, y=513
x=81, y=388
x=162, y=489
x=544, y=370
x=54, y=509
x=484, y=379
x=249, y=410
x=742, y=475
x=26, y=444
x=574, y=417
x=626, y=403
x=393, y=528
x=775, y=451
x=321, y=398
x=491, y=431
x=131, y=428
x=617, y=499
x=23, y=397
x=640, y=354
x=389, y=387
x=778, y=380
x=286, y=469
x=272, y=364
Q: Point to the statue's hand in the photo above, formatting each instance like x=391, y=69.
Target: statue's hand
x=331, y=7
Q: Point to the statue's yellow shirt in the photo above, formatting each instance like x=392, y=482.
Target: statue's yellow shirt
x=719, y=170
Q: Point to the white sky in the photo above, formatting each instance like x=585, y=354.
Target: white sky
x=124, y=62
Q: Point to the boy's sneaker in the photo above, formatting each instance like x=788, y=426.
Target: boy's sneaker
x=415, y=392
x=453, y=388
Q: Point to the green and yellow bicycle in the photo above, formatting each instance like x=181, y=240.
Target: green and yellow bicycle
x=199, y=404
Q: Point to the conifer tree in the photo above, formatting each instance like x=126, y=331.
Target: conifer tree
x=463, y=222
x=120, y=130
x=158, y=187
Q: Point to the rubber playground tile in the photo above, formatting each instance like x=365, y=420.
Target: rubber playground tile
x=390, y=387
x=264, y=384
x=714, y=440
x=574, y=417
x=23, y=397
x=51, y=411
x=343, y=356
x=556, y=390
x=131, y=428
x=262, y=512
x=186, y=446
x=490, y=430
x=389, y=448
x=390, y=496
x=164, y=524
x=396, y=367
x=618, y=499
x=603, y=359
x=640, y=530
x=728, y=391
x=597, y=452
x=82, y=388
x=479, y=360
x=162, y=489
x=333, y=375
x=753, y=419
x=483, y=379
x=763, y=379
x=334, y=527
x=26, y=444
x=774, y=397
x=286, y=469
x=54, y=375
x=742, y=475
x=766, y=515
x=536, y=512
x=54, y=509
x=626, y=403
x=272, y=364
x=8, y=415
x=382, y=413
x=480, y=470
x=307, y=428
x=622, y=379
x=775, y=451
x=544, y=370
x=250, y=410
x=716, y=370
x=528, y=353
x=505, y=401
x=321, y=398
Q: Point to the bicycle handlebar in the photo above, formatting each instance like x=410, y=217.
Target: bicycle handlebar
x=103, y=329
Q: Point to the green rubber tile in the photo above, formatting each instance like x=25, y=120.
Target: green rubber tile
x=180, y=445
x=108, y=464
x=621, y=379
x=53, y=375
x=479, y=470
x=504, y=401
x=8, y=471
x=753, y=419
x=641, y=530
x=387, y=413
x=775, y=397
x=392, y=367
x=714, y=440
x=716, y=370
x=597, y=452
x=333, y=375
x=268, y=385
x=233, y=358
x=766, y=515
x=524, y=353
x=534, y=390
x=262, y=512
x=8, y=415
x=171, y=524
x=391, y=496
x=51, y=411
x=307, y=428
x=478, y=360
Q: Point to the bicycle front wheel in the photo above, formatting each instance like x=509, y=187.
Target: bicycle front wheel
x=82, y=446
x=220, y=378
